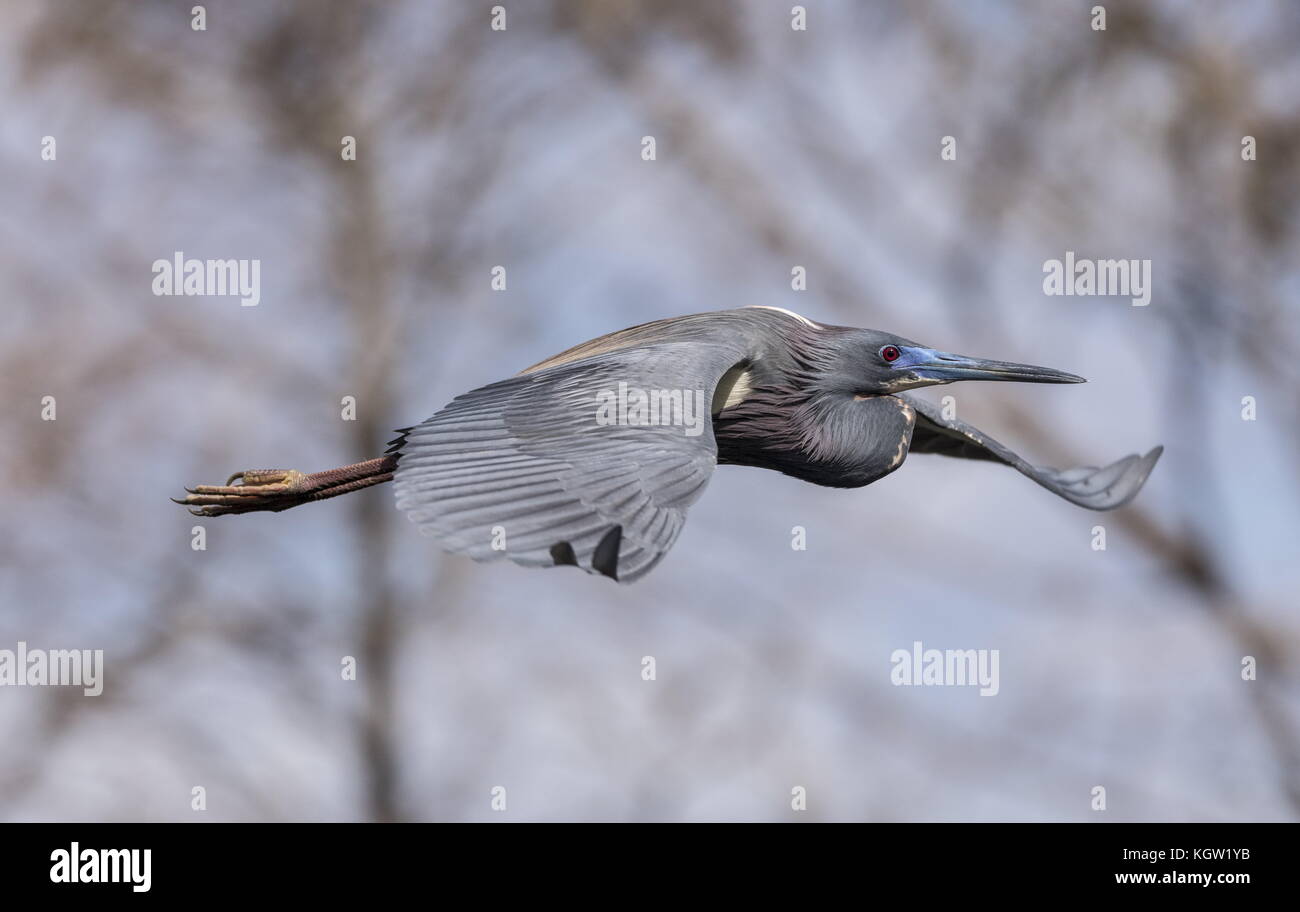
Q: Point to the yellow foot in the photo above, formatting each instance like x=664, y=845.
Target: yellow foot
x=259, y=489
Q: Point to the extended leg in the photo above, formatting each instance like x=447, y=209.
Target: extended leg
x=280, y=489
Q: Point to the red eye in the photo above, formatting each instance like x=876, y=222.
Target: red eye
x=890, y=353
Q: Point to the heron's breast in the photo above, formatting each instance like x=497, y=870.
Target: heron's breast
x=868, y=439
x=895, y=425
x=850, y=444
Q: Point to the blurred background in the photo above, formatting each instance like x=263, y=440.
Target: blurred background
x=775, y=148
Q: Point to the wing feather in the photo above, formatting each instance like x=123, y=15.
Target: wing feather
x=526, y=457
x=1102, y=488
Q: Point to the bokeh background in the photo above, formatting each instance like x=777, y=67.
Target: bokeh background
x=522, y=148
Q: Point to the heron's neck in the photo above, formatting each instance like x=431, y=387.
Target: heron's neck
x=827, y=438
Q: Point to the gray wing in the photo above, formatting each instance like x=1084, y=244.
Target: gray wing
x=523, y=469
x=1095, y=488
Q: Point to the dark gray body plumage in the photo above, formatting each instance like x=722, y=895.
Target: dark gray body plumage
x=521, y=468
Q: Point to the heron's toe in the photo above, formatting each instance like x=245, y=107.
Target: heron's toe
x=259, y=489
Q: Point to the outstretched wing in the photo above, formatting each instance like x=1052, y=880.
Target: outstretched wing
x=530, y=469
x=1097, y=489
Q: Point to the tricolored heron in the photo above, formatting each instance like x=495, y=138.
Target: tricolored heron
x=573, y=461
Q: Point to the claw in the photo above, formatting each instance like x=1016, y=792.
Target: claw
x=273, y=490
x=259, y=489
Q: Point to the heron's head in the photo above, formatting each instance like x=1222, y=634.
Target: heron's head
x=882, y=363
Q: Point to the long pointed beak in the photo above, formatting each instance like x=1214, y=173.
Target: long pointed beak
x=945, y=368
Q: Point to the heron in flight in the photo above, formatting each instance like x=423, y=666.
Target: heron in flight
x=591, y=458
